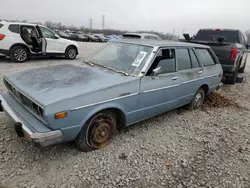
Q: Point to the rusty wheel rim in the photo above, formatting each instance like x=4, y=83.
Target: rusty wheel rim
x=101, y=131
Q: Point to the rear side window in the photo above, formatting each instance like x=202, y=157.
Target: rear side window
x=1, y=25
x=205, y=57
x=183, y=59
x=194, y=60
x=14, y=28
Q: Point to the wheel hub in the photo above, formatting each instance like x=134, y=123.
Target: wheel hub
x=101, y=131
x=72, y=53
x=20, y=54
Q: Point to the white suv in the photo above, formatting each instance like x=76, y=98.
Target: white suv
x=21, y=40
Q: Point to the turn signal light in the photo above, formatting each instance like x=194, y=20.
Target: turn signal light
x=1, y=36
x=60, y=115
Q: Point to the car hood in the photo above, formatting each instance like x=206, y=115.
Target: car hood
x=51, y=84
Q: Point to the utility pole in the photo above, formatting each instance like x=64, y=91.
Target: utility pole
x=90, y=23
x=103, y=22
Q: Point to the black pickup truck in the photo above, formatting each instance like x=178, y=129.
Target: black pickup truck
x=229, y=45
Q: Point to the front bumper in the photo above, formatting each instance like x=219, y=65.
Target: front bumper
x=24, y=129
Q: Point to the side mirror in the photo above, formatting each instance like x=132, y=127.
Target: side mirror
x=57, y=37
x=156, y=71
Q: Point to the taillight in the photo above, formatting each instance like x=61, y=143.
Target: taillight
x=234, y=53
x=2, y=36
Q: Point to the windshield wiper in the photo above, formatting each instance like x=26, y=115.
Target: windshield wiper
x=89, y=63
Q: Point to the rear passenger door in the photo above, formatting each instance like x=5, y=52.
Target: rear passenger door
x=190, y=74
x=212, y=68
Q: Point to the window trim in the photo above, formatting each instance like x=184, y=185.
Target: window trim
x=211, y=54
x=154, y=57
x=19, y=28
x=200, y=64
x=177, y=63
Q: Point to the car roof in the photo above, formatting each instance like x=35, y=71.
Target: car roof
x=160, y=43
x=18, y=23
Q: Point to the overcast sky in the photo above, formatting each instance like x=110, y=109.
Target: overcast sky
x=160, y=15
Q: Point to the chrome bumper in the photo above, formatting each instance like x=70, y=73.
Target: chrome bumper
x=40, y=138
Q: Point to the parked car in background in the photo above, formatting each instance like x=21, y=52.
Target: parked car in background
x=93, y=38
x=19, y=41
x=141, y=36
x=101, y=37
x=75, y=37
x=63, y=35
x=170, y=74
x=112, y=37
x=82, y=38
x=229, y=45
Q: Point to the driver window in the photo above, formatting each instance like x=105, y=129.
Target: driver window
x=47, y=33
x=165, y=59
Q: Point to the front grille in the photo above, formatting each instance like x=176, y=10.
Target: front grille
x=32, y=106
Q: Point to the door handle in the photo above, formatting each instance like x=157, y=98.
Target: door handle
x=200, y=72
x=175, y=78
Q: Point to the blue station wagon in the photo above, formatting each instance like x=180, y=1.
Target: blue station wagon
x=123, y=82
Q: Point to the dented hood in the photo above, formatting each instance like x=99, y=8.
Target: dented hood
x=51, y=84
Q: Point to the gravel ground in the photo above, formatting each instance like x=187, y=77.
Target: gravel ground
x=203, y=148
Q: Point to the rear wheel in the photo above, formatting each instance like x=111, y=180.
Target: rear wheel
x=97, y=132
x=19, y=54
x=232, y=79
x=71, y=52
x=242, y=69
x=197, y=100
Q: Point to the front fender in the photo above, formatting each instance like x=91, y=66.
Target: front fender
x=99, y=108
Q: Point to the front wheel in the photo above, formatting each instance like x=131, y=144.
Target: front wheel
x=197, y=100
x=19, y=54
x=71, y=52
x=97, y=132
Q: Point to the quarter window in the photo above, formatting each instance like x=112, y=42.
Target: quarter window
x=183, y=59
x=194, y=61
x=14, y=28
x=205, y=57
x=1, y=25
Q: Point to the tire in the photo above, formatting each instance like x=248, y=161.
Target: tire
x=19, y=54
x=97, y=132
x=71, y=52
x=240, y=78
x=242, y=69
x=197, y=100
x=232, y=79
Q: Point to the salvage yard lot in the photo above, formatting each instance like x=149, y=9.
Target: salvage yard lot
x=209, y=147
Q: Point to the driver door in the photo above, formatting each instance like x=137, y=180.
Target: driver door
x=159, y=93
x=54, y=43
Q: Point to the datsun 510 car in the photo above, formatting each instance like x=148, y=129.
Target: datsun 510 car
x=122, y=83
